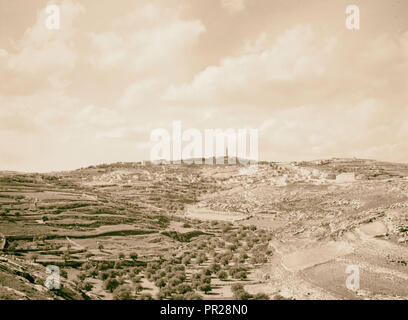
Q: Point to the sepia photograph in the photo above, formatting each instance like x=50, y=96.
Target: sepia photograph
x=215, y=150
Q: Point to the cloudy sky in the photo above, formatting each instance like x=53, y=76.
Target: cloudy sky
x=92, y=91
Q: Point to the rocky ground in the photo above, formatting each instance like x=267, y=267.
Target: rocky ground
x=284, y=231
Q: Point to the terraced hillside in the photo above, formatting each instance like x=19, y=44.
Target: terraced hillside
x=132, y=231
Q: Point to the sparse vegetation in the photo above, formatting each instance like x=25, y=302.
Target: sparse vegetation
x=122, y=293
x=125, y=231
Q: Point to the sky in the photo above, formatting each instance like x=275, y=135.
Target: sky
x=92, y=91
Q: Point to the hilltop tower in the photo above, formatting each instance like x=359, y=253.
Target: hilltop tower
x=226, y=156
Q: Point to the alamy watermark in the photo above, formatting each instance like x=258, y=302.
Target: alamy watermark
x=52, y=282
x=353, y=17
x=52, y=22
x=215, y=146
x=353, y=280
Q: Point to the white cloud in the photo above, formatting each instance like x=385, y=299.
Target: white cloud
x=154, y=42
x=233, y=6
x=45, y=52
x=295, y=55
x=364, y=129
x=388, y=49
x=45, y=110
x=139, y=94
x=311, y=95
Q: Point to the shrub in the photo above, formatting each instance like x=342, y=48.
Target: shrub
x=87, y=266
x=122, y=293
x=103, y=275
x=145, y=296
x=113, y=274
x=237, y=287
x=81, y=276
x=222, y=275
x=200, y=279
x=215, y=267
x=242, y=275
x=243, y=257
x=136, y=279
x=93, y=273
x=207, y=272
x=202, y=258
x=104, y=266
x=87, y=286
x=160, y=295
x=139, y=288
x=242, y=295
x=111, y=284
x=174, y=282
x=225, y=261
x=165, y=293
x=206, y=280
x=192, y=296
x=238, y=272
x=259, y=258
x=66, y=256
x=183, y=288
x=261, y=296
x=160, y=283
x=63, y=274
x=205, y=288
x=181, y=275
x=239, y=292
x=179, y=268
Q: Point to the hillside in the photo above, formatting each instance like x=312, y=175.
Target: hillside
x=126, y=230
